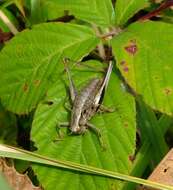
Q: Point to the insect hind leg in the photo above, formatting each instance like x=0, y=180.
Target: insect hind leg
x=98, y=133
x=73, y=91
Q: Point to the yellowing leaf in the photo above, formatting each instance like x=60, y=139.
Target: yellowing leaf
x=144, y=54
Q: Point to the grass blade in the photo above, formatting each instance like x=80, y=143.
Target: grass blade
x=12, y=152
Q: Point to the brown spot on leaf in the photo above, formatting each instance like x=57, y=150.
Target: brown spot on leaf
x=25, y=87
x=124, y=65
x=37, y=82
x=168, y=91
x=156, y=77
x=131, y=158
x=126, y=124
x=131, y=48
x=125, y=69
x=122, y=62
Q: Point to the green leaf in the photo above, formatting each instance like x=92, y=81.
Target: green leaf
x=42, y=10
x=125, y=9
x=37, y=12
x=29, y=62
x=144, y=54
x=93, y=11
x=8, y=129
x=117, y=129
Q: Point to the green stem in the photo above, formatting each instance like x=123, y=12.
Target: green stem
x=9, y=24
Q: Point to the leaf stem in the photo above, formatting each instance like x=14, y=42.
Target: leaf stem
x=9, y=24
x=155, y=12
x=112, y=33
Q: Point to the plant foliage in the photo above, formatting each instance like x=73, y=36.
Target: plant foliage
x=33, y=82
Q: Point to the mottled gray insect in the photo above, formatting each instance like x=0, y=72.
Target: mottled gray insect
x=87, y=102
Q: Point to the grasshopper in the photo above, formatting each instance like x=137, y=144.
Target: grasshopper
x=87, y=102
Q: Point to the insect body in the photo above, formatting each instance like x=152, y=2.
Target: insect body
x=86, y=102
x=84, y=106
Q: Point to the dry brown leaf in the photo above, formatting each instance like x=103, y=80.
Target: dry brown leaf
x=16, y=180
x=163, y=173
